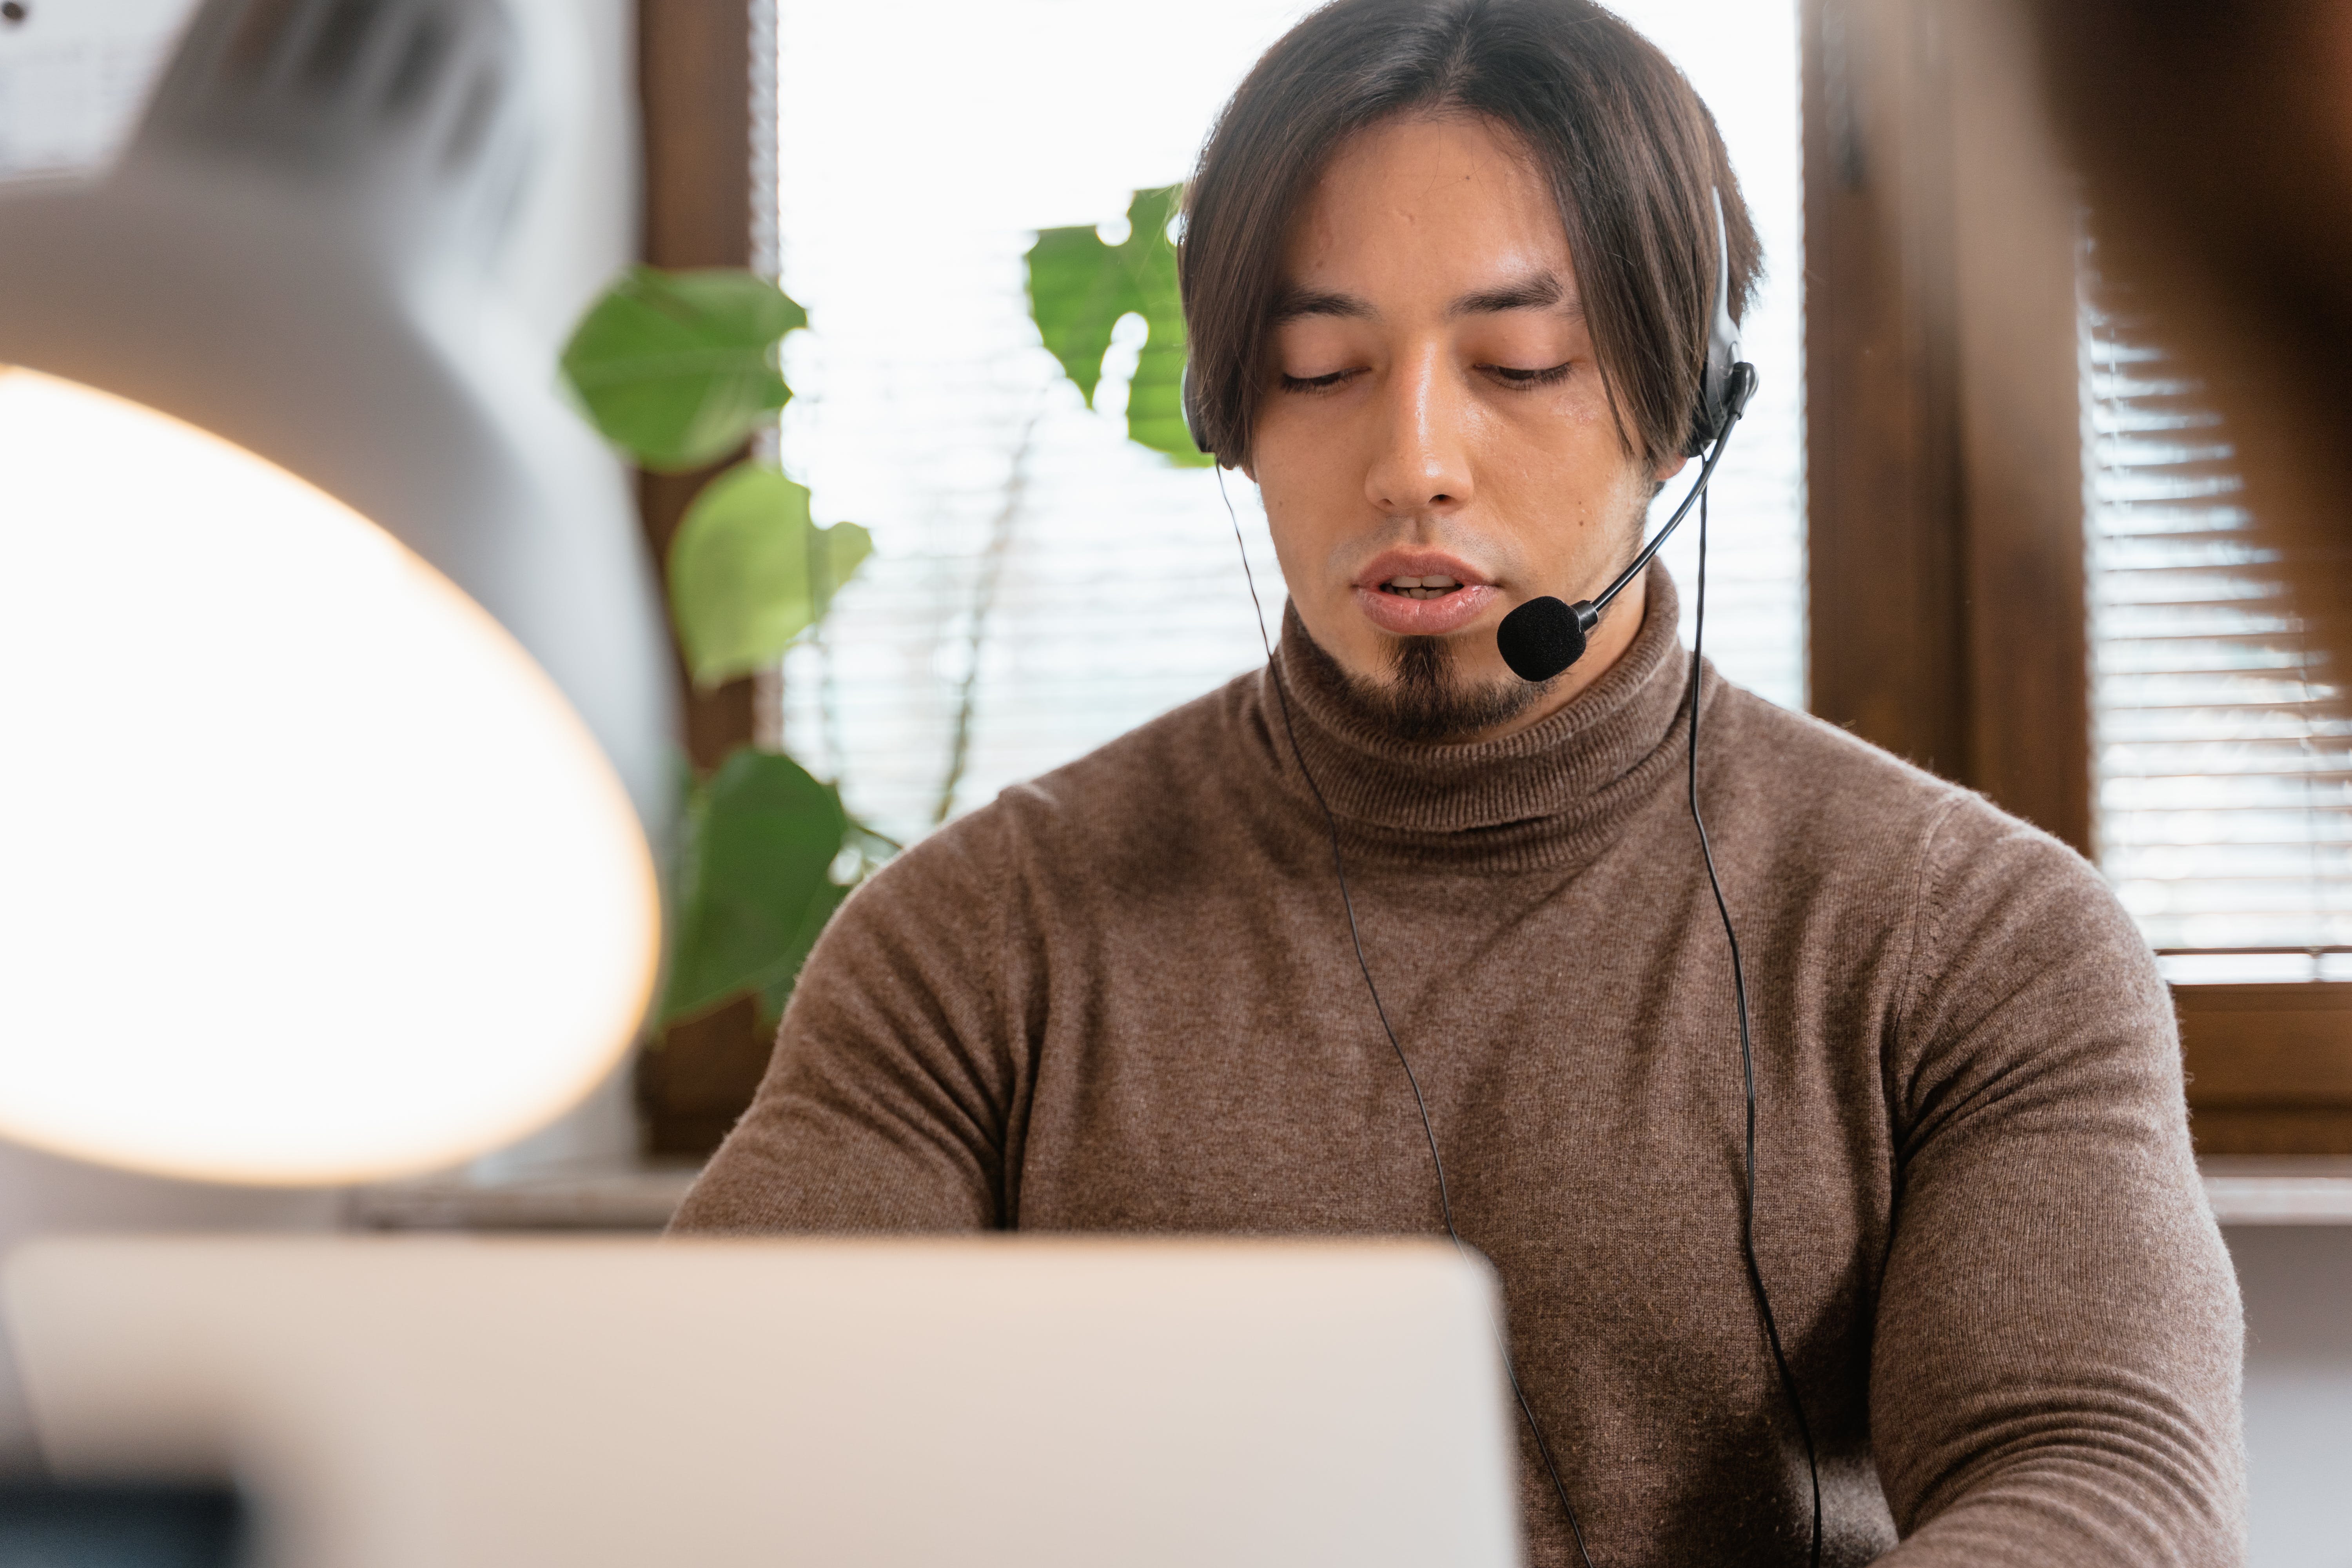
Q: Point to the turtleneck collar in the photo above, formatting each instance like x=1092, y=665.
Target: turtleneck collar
x=1547, y=795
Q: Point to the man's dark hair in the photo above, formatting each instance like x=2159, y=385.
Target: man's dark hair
x=1632, y=154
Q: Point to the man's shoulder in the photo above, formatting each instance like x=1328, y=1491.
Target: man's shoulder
x=1939, y=851
x=1820, y=767
x=1826, y=777
x=1150, y=793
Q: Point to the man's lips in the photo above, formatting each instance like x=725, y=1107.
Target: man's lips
x=1421, y=593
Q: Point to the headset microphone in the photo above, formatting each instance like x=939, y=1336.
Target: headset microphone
x=1544, y=636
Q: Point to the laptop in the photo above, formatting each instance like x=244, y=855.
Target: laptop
x=406, y=1401
x=54, y=1524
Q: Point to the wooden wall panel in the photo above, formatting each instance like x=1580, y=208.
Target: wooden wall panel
x=1882, y=441
x=1944, y=438
x=2024, y=618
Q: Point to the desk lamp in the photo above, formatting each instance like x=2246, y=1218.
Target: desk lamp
x=336, y=690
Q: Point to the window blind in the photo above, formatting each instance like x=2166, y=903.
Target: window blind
x=73, y=76
x=2223, y=781
x=1039, y=585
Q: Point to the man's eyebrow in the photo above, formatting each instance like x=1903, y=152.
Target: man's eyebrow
x=1538, y=291
x=1294, y=302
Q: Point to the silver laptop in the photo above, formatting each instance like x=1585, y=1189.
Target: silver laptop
x=396, y=1402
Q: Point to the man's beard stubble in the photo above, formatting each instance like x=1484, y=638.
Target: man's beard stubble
x=1427, y=703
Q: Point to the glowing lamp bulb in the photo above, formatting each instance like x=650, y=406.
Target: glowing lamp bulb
x=307, y=872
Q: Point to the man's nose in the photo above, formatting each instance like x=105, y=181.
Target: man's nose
x=1422, y=463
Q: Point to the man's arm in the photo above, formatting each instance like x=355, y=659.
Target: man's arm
x=2055, y=1379
x=896, y=1070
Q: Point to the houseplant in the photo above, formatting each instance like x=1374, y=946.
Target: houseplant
x=679, y=369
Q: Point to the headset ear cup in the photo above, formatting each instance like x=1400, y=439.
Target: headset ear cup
x=1722, y=345
x=1193, y=425
x=1705, y=421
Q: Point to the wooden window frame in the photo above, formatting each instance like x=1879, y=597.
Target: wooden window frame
x=695, y=79
x=1948, y=621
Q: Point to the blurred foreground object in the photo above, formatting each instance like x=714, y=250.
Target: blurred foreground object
x=2215, y=138
x=1041, y=1403
x=339, y=692
x=49, y=1526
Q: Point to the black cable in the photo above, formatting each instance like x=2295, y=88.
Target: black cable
x=1657, y=541
x=1747, y=1049
x=1339, y=869
x=1739, y=999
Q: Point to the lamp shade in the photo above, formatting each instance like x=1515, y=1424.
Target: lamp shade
x=337, y=881
x=337, y=696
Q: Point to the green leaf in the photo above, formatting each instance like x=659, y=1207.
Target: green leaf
x=844, y=548
x=676, y=368
x=872, y=851
x=752, y=884
x=748, y=572
x=1077, y=293
x=776, y=993
x=1079, y=287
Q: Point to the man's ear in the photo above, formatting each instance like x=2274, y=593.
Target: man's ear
x=1667, y=467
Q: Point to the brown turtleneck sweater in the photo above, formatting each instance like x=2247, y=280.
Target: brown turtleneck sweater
x=1121, y=998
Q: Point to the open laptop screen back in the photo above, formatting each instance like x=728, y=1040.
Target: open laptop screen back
x=392, y=1402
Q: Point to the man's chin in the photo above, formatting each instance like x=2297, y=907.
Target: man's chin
x=1422, y=698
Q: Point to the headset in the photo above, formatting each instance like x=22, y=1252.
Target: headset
x=1543, y=636
x=1539, y=640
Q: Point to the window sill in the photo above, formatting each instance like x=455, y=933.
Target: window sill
x=2269, y=1069
x=2243, y=1189
x=624, y=1198
x=2257, y=1189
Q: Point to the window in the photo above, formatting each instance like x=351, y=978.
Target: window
x=2222, y=779
x=1039, y=584
x=72, y=78
x=2031, y=565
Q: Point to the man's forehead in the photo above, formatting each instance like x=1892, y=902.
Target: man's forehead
x=1430, y=167
x=1449, y=205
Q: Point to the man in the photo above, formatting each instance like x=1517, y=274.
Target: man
x=1449, y=267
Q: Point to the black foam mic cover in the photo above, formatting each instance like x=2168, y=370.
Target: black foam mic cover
x=1544, y=636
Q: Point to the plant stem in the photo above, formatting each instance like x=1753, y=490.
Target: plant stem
x=983, y=599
